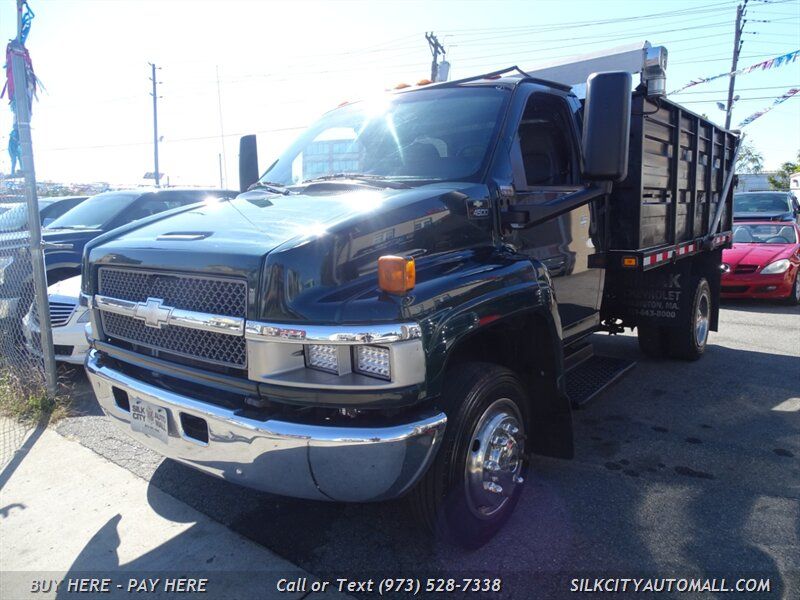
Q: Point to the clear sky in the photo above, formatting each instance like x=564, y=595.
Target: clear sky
x=282, y=64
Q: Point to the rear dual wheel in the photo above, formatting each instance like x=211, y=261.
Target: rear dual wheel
x=688, y=339
x=476, y=480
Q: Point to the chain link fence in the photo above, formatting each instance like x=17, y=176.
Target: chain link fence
x=22, y=371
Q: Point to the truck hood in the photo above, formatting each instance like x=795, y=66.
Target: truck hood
x=298, y=249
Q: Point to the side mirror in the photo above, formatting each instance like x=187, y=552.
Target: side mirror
x=606, y=126
x=248, y=162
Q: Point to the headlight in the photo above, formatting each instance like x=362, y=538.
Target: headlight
x=5, y=262
x=84, y=318
x=328, y=357
x=373, y=361
x=725, y=268
x=779, y=266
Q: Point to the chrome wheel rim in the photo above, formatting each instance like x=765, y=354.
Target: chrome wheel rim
x=797, y=287
x=701, y=320
x=495, y=459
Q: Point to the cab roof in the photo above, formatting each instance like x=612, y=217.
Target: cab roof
x=509, y=77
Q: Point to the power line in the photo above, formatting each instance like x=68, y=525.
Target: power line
x=772, y=87
x=176, y=140
x=739, y=100
x=591, y=23
x=705, y=60
x=610, y=36
x=604, y=34
x=554, y=27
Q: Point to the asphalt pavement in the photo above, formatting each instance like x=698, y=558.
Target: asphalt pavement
x=69, y=514
x=681, y=470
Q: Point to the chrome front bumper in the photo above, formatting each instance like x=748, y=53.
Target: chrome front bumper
x=349, y=464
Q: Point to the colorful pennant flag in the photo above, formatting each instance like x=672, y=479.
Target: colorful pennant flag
x=776, y=102
x=772, y=63
x=33, y=83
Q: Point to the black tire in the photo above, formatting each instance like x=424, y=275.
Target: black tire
x=653, y=340
x=444, y=499
x=687, y=341
x=794, y=296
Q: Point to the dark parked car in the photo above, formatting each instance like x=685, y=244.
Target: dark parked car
x=15, y=216
x=766, y=206
x=73, y=229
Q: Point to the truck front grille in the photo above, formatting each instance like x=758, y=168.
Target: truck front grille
x=190, y=292
x=216, y=296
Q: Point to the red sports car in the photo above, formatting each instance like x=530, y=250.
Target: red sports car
x=764, y=261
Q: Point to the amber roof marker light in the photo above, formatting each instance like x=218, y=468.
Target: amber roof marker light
x=396, y=274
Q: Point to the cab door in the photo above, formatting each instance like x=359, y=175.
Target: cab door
x=546, y=164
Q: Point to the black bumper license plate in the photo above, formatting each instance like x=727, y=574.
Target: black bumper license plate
x=149, y=419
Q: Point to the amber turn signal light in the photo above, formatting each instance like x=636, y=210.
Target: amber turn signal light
x=396, y=274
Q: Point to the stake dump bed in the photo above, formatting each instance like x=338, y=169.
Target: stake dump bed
x=678, y=166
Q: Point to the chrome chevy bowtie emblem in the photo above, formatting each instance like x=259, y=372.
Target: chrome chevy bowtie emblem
x=153, y=313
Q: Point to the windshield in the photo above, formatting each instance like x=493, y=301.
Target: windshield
x=95, y=212
x=764, y=234
x=436, y=134
x=760, y=203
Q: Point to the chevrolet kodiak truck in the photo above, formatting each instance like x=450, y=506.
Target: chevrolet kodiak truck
x=396, y=305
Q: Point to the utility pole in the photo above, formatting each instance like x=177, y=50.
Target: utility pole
x=436, y=49
x=221, y=137
x=737, y=47
x=154, y=93
x=22, y=113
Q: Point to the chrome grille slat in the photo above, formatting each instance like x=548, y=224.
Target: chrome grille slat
x=60, y=313
x=203, y=294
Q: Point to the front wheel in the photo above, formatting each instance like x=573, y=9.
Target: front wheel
x=476, y=480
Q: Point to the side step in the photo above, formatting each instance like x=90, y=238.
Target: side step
x=593, y=375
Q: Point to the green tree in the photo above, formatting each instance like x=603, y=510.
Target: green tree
x=750, y=160
x=780, y=181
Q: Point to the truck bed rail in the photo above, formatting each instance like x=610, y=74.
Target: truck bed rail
x=679, y=164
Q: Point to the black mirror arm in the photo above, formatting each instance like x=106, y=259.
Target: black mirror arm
x=529, y=214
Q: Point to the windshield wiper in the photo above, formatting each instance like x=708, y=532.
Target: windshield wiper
x=275, y=188
x=73, y=227
x=346, y=176
x=366, y=177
